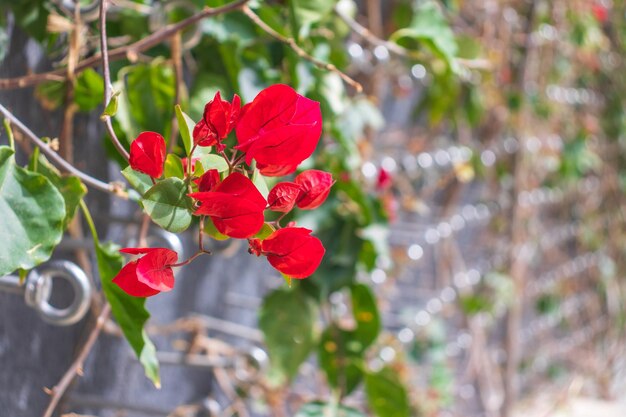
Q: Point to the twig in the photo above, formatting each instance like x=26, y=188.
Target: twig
x=66, y=139
x=58, y=160
x=128, y=51
x=371, y=38
x=177, y=61
x=76, y=367
x=107, y=79
x=224, y=381
x=298, y=50
x=375, y=16
x=519, y=233
x=366, y=34
x=143, y=231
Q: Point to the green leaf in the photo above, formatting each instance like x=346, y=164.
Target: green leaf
x=32, y=212
x=386, y=396
x=324, y=409
x=429, y=26
x=70, y=187
x=288, y=280
x=129, y=312
x=265, y=231
x=22, y=273
x=308, y=12
x=168, y=206
x=365, y=313
x=150, y=89
x=173, y=167
x=212, y=161
x=111, y=108
x=547, y=304
x=50, y=94
x=259, y=181
x=185, y=125
x=378, y=235
x=473, y=304
x=209, y=229
x=287, y=319
x=340, y=355
x=140, y=182
x=88, y=90
x=30, y=15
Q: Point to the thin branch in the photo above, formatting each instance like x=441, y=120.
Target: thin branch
x=394, y=48
x=107, y=79
x=366, y=34
x=298, y=50
x=76, y=367
x=128, y=51
x=518, y=267
x=66, y=136
x=177, y=63
x=58, y=160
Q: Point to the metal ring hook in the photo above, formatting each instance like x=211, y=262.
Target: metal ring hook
x=39, y=286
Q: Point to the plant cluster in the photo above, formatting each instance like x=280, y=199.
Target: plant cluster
x=275, y=132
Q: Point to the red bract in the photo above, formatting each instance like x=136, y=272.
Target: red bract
x=148, y=275
x=185, y=161
x=292, y=250
x=283, y=196
x=208, y=180
x=235, y=206
x=384, y=180
x=147, y=154
x=218, y=120
x=315, y=187
x=600, y=12
x=279, y=129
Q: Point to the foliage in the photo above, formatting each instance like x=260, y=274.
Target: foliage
x=164, y=89
x=33, y=215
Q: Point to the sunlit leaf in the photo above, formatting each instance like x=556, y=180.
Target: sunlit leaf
x=386, y=396
x=287, y=319
x=168, y=206
x=32, y=215
x=129, y=312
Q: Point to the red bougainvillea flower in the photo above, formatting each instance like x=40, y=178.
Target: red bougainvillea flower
x=147, y=154
x=235, y=206
x=218, y=120
x=291, y=250
x=283, y=196
x=148, y=275
x=315, y=187
x=600, y=12
x=384, y=180
x=208, y=180
x=279, y=129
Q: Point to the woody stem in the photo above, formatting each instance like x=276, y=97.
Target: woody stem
x=238, y=160
x=189, y=160
x=190, y=259
x=277, y=221
x=201, y=234
x=228, y=162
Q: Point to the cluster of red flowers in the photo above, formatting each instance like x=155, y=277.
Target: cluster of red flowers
x=278, y=130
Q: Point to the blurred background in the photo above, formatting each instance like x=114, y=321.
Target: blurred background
x=476, y=238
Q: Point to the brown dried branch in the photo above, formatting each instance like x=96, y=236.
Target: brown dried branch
x=128, y=51
x=177, y=63
x=59, y=161
x=107, y=80
x=298, y=50
x=366, y=34
x=76, y=367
